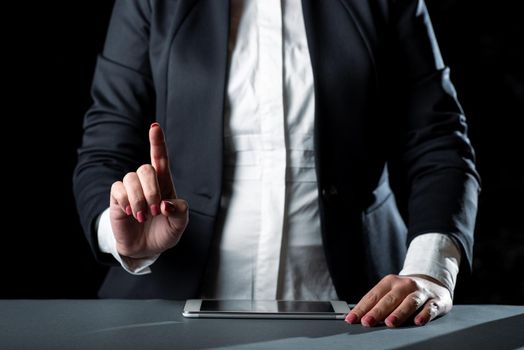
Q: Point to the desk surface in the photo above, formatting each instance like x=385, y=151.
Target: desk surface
x=159, y=324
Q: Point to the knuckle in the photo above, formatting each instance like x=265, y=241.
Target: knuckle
x=146, y=169
x=151, y=191
x=129, y=177
x=152, y=197
x=390, y=299
x=402, y=313
x=372, y=298
x=138, y=202
x=116, y=186
x=119, y=196
x=410, y=283
x=390, y=278
x=184, y=206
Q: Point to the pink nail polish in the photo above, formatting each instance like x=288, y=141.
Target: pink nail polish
x=129, y=212
x=155, y=210
x=351, y=318
x=368, y=321
x=169, y=206
x=140, y=216
x=420, y=321
x=391, y=321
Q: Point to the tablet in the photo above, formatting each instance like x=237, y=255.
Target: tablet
x=265, y=309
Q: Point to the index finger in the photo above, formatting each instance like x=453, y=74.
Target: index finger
x=160, y=160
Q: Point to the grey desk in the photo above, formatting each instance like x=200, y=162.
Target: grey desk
x=158, y=324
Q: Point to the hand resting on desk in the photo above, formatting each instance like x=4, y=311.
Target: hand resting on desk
x=396, y=298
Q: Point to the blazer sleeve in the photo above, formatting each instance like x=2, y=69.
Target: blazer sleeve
x=115, y=127
x=434, y=161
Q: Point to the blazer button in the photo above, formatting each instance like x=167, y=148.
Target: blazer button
x=330, y=193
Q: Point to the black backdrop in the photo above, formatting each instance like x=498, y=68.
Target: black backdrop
x=51, y=49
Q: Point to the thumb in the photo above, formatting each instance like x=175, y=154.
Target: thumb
x=177, y=213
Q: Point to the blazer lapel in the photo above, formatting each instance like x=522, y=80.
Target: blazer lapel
x=195, y=101
x=341, y=42
x=345, y=77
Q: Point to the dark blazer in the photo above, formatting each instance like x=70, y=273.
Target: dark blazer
x=384, y=102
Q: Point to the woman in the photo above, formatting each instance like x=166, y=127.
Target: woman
x=282, y=121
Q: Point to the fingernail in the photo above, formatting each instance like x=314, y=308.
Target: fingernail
x=420, y=321
x=391, y=321
x=368, y=321
x=155, y=210
x=169, y=206
x=141, y=216
x=129, y=211
x=154, y=125
x=351, y=318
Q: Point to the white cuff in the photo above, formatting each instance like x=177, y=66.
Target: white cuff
x=107, y=244
x=435, y=255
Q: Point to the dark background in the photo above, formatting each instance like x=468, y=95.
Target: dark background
x=53, y=49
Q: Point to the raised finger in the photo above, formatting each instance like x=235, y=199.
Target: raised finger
x=160, y=161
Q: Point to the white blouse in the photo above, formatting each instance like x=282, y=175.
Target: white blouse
x=269, y=242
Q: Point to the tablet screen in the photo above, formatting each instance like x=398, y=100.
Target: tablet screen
x=277, y=306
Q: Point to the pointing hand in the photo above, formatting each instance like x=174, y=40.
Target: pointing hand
x=146, y=216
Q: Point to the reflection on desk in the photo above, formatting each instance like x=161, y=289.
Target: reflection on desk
x=159, y=324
